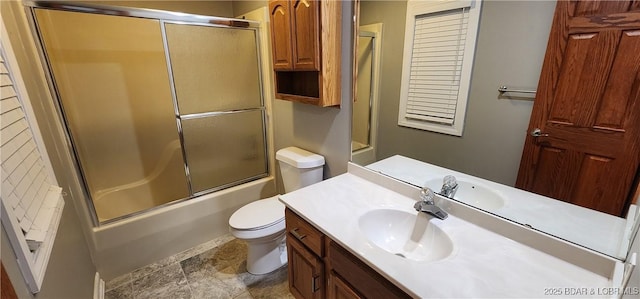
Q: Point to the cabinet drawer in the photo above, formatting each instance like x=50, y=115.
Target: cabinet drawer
x=304, y=232
x=365, y=280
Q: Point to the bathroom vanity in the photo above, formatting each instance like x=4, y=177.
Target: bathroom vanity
x=320, y=268
x=357, y=235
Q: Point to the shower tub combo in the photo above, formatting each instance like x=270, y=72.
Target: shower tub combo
x=166, y=121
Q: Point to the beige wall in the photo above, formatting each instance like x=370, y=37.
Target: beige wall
x=511, y=45
x=325, y=131
x=70, y=271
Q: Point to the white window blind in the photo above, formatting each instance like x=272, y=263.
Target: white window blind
x=436, y=65
x=31, y=204
x=440, y=40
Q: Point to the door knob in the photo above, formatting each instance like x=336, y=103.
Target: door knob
x=538, y=133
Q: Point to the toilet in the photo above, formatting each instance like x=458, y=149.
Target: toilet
x=261, y=223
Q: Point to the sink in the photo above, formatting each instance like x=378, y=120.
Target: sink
x=408, y=235
x=473, y=194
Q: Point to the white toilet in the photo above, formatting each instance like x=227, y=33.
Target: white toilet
x=261, y=223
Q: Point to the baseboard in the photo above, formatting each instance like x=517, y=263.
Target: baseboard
x=98, y=287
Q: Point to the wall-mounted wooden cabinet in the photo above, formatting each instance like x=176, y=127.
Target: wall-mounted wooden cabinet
x=305, y=39
x=318, y=266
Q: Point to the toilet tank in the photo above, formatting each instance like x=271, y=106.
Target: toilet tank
x=299, y=168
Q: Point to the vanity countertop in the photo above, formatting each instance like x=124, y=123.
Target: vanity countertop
x=483, y=263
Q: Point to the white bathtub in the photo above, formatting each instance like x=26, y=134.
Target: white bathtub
x=131, y=243
x=144, y=194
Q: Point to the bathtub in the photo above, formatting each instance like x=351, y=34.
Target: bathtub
x=131, y=243
x=114, y=202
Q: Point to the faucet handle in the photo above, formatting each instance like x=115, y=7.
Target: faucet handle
x=427, y=195
x=450, y=181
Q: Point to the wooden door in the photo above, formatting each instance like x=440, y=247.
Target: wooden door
x=280, y=15
x=587, y=108
x=306, y=32
x=6, y=291
x=306, y=271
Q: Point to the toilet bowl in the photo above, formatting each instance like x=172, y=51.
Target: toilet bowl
x=261, y=223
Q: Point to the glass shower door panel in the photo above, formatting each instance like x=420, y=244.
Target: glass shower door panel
x=360, y=130
x=113, y=85
x=214, y=69
x=224, y=149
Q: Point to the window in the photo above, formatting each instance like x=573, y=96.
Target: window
x=31, y=204
x=440, y=39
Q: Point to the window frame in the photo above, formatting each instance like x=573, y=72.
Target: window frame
x=417, y=8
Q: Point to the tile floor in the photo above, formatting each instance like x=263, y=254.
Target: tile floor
x=216, y=269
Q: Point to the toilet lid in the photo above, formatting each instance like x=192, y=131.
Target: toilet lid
x=258, y=214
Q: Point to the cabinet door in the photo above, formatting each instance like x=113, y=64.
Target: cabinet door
x=281, y=38
x=306, y=271
x=306, y=31
x=339, y=289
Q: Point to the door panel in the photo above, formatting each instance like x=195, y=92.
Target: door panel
x=585, y=55
x=616, y=102
x=588, y=104
x=281, y=34
x=585, y=8
x=306, y=54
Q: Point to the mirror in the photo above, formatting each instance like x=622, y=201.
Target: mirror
x=364, y=129
x=511, y=45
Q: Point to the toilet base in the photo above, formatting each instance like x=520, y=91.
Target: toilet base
x=264, y=255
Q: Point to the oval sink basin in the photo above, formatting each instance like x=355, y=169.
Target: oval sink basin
x=472, y=194
x=409, y=235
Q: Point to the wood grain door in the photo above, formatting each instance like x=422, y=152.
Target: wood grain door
x=306, y=29
x=587, y=108
x=280, y=15
x=306, y=271
x=339, y=289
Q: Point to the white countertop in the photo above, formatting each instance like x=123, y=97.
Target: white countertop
x=482, y=264
x=599, y=231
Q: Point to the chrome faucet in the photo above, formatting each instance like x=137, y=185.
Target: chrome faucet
x=449, y=186
x=427, y=205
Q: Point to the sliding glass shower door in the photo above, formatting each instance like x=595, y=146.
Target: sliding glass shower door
x=156, y=111
x=217, y=85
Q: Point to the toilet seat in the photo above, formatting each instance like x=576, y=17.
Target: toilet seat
x=259, y=215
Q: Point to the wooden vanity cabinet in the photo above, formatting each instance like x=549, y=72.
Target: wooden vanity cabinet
x=306, y=45
x=306, y=271
x=340, y=289
x=305, y=252
x=319, y=266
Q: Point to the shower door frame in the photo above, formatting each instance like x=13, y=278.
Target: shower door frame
x=163, y=17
